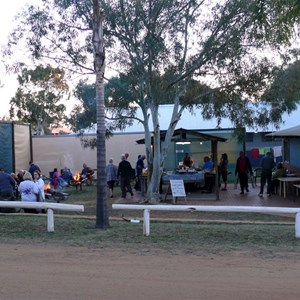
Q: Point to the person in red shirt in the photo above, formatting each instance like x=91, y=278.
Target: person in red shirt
x=242, y=168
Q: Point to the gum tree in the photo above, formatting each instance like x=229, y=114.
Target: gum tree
x=38, y=97
x=218, y=56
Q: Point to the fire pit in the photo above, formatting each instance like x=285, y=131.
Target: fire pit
x=77, y=181
x=54, y=195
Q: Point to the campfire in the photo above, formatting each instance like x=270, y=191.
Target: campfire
x=54, y=195
x=77, y=181
x=47, y=187
x=77, y=178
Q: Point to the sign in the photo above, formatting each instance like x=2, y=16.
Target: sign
x=177, y=187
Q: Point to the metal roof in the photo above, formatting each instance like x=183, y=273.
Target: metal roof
x=181, y=135
x=289, y=132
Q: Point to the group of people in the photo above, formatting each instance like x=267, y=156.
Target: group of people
x=27, y=184
x=208, y=169
x=269, y=174
x=124, y=173
x=65, y=177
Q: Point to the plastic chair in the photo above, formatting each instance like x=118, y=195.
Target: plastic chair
x=257, y=173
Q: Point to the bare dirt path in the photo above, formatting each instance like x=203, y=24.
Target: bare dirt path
x=49, y=272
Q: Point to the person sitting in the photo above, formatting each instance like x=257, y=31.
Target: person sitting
x=66, y=175
x=278, y=173
x=7, y=186
x=15, y=177
x=87, y=173
x=187, y=161
x=55, y=178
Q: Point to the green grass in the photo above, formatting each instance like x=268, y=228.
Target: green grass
x=201, y=237
x=173, y=237
x=87, y=197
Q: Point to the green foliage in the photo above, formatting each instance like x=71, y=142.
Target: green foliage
x=161, y=48
x=83, y=115
x=37, y=100
x=215, y=55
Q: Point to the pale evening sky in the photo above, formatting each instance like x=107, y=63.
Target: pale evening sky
x=7, y=14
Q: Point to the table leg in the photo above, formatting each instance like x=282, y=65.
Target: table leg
x=167, y=191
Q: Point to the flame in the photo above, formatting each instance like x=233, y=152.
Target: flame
x=76, y=177
x=47, y=186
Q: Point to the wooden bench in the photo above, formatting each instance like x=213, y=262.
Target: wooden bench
x=43, y=205
x=250, y=209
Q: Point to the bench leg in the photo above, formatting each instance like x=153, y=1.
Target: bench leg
x=297, y=225
x=50, y=220
x=146, y=224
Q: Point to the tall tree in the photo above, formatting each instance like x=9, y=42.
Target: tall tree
x=162, y=47
x=99, y=66
x=165, y=45
x=38, y=98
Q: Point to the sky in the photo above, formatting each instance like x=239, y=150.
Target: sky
x=12, y=8
x=9, y=82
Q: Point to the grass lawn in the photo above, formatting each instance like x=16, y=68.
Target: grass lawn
x=170, y=237
x=201, y=234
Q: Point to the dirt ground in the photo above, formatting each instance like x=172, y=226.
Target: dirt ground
x=63, y=272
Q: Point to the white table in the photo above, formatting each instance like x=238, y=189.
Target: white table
x=284, y=181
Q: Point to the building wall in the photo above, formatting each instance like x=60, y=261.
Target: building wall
x=51, y=152
x=294, y=148
x=198, y=150
x=263, y=143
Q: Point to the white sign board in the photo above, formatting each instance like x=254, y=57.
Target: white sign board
x=177, y=187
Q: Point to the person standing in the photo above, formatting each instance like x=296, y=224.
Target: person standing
x=209, y=176
x=267, y=164
x=223, y=170
x=187, y=161
x=111, y=176
x=33, y=167
x=29, y=191
x=37, y=179
x=125, y=174
x=139, y=172
x=242, y=168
